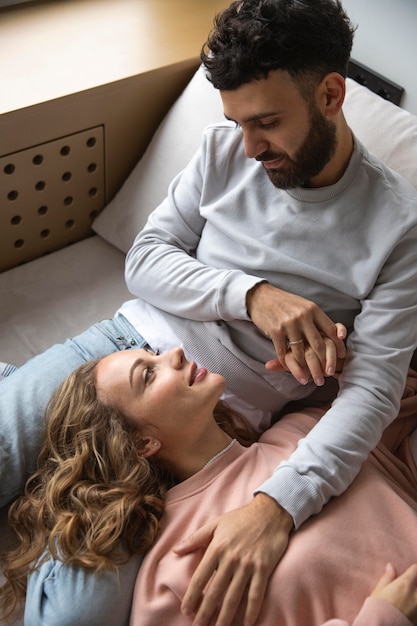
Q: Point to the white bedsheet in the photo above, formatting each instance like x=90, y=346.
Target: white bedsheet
x=57, y=296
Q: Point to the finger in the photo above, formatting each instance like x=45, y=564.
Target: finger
x=314, y=367
x=235, y=584
x=310, y=358
x=317, y=344
x=331, y=358
x=281, y=347
x=388, y=576
x=275, y=366
x=340, y=345
x=341, y=330
x=198, y=583
x=302, y=374
x=411, y=574
x=297, y=348
x=200, y=539
x=256, y=595
x=336, y=332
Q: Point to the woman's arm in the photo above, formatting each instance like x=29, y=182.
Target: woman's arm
x=392, y=603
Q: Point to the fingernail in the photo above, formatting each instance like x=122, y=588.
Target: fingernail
x=319, y=382
x=303, y=381
x=330, y=371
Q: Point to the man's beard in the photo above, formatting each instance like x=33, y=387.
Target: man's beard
x=314, y=153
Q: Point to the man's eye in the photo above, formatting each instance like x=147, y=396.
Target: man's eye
x=268, y=124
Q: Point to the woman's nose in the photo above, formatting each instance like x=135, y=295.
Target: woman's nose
x=176, y=357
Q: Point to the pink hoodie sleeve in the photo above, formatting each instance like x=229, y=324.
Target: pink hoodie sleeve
x=374, y=612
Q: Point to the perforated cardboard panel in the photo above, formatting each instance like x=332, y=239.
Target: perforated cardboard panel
x=49, y=195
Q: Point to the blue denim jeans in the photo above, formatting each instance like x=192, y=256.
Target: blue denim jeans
x=25, y=393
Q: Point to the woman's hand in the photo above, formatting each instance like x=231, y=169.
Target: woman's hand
x=400, y=591
x=242, y=549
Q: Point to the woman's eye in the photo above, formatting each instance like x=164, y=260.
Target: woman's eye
x=153, y=352
x=148, y=374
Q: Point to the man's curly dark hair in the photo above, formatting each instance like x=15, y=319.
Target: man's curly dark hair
x=306, y=38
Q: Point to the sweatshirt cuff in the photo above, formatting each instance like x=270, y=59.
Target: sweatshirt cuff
x=231, y=302
x=295, y=493
x=378, y=612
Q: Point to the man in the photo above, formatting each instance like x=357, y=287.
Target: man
x=286, y=206
x=281, y=226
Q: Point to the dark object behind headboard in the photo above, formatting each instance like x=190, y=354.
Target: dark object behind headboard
x=375, y=82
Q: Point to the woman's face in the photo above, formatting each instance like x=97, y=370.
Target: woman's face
x=164, y=394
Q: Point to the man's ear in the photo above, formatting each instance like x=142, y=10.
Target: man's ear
x=147, y=446
x=331, y=94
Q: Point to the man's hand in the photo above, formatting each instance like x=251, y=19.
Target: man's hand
x=243, y=548
x=294, y=323
x=399, y=591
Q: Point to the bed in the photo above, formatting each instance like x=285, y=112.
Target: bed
x=57, y=295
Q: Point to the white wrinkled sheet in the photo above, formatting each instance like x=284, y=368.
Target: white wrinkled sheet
x=58, y=296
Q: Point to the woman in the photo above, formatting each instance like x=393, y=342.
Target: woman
x=123, y=430
x=95, y=501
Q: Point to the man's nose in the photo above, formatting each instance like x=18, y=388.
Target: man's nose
x=254, y=143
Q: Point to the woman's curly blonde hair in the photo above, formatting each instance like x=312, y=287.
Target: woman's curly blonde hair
x=93, y=501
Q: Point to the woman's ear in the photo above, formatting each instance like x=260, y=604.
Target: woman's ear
x=331, y=94
x=147, y=446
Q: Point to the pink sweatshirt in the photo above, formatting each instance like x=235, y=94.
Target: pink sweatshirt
x=333, y=561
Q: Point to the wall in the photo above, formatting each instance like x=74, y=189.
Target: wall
x=53, y=48
x=386, y=41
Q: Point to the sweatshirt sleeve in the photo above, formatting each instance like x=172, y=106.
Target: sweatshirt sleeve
x=374, y=612
x=370, y=387
x=59, y=594
x=163, y=259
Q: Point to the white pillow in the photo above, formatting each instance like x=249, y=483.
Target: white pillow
x=172, y=146
x=386, y=130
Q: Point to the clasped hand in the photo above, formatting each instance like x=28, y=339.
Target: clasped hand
x=242, y=549
x=307, y=342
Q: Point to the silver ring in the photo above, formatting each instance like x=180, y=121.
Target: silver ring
x=295, y=343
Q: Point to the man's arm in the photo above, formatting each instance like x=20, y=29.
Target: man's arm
x=164, y=268
x=180, y=264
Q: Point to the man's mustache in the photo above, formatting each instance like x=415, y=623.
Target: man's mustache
x=271, y=156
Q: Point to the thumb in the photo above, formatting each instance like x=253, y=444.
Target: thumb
x=388, y=576
x=274, y=365
x=200, y=539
